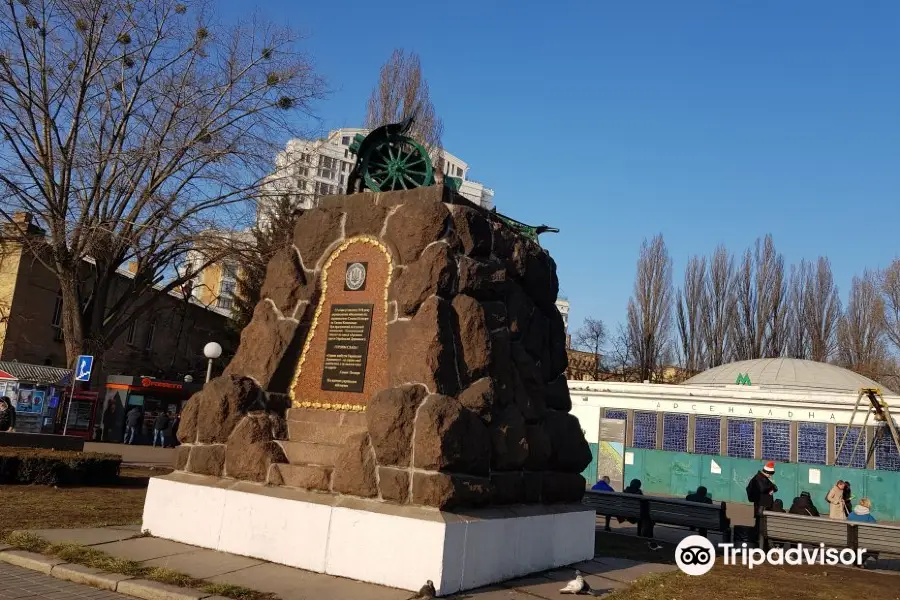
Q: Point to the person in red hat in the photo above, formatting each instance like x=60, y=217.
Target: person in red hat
x=761, y=489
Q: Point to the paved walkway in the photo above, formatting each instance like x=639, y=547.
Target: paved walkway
x=135, y=454
x=23, y=584
x=604, y=574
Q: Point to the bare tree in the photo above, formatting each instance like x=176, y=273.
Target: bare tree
x=621, y=354
x=590, y=338
x=821, y=311
x=798, y=344
x=889, y=284
x=719, y=309
x=401, y=90
x=861, y=332
x=689, y=315
x=128, y=128
x=273, y=232
x=650, y=308
x=760, y=327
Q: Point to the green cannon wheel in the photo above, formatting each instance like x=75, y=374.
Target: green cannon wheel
x=398, y=165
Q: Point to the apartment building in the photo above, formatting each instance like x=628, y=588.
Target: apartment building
x=309, y=169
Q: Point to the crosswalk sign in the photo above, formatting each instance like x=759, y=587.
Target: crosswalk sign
x=83, y=367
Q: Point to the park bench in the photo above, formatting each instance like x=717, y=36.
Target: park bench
x=800, y=529
x=649, y=510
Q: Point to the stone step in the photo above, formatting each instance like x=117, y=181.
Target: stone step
x=321, y=433
x=308, y=477
x=306, y=453
x=328, y=417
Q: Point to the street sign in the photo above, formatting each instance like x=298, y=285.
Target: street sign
x=83, y=367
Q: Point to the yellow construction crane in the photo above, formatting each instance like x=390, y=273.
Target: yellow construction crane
x=878, y=409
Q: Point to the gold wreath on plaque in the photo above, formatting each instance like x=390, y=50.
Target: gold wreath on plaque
x=361, y=239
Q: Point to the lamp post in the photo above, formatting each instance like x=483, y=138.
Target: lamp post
x=212, y=351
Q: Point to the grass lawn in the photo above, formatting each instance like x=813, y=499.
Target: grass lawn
x=740, y=583
x=42, y=507
x=766, y=583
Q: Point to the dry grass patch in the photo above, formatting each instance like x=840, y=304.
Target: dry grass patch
x=40, y=507
x=90, y=557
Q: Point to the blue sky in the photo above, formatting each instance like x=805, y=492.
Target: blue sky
x=708, y=121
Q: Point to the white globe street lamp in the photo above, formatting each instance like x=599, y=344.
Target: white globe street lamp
x=212, y=351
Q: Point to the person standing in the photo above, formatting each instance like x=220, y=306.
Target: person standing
x=835, y=499
x=159, y=429
x=848, y=499
x=175, y=423
x=132, y=420
x=107, y=420
x=761, y=489
x=7, y=415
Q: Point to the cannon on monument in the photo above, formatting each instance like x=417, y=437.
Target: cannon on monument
x=388, y=160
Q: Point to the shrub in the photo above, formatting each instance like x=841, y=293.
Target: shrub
x=54, y=467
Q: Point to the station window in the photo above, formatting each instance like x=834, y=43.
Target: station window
x=776, y=440
x=615, y=413
x=854, y=447
x=675, y=430
x=644, y=430
x=741, y=438
x=708, y=435
x=886, y=456
x=811, y=443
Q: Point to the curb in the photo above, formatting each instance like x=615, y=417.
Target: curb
x=113, y=582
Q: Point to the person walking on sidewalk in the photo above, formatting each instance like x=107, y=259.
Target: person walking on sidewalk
x=159, y=429
x=132, y=420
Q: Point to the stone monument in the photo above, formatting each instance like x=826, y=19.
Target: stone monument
x=397, y=409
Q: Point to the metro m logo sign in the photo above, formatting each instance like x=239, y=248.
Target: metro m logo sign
x=743, y=379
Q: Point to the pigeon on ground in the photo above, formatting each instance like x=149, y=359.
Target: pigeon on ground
x=654, y=546
x=425, y=593
x=577, y=586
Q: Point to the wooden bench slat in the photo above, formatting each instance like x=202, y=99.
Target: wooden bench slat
x=815, y=530
x=669, y=511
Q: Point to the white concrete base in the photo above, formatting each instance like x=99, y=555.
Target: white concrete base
x=368, y=541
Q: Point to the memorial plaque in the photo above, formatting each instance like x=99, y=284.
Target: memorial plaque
x=344, y=359
x=347, y=347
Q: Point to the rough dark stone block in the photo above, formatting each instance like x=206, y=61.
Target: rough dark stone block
x=434, y=273
x=448, y=492
x=450, y=438
x=285, y=282
x=315, y=231
x=394, y=484
x=421, y=350
x=354, y=468
x=390, y=418
x=414, y=225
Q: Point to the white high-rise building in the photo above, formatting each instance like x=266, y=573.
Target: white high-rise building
x=562, y=305
x=309, y=169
